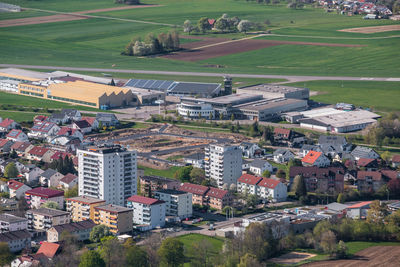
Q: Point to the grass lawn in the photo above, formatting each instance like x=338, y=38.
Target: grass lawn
x=99, y=42
x=204, y=129
x=176, y=157
x=169, y=173
x=381, y=96
x=357, y=246
x=19, y=116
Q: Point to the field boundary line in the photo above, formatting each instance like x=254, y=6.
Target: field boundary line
x=331, y=37
x=229, y=41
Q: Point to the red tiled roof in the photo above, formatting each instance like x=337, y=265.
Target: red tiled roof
x=268, y=183
x=3, y=142
x=68, y=178
x=194, y=188
x=360, y=205
x=17, y=144
x=14, y=185
x=396, y=159
x=363, y=162
x=6, y=122
x=14, y=133
x=40, y=118
x=282, y=131
x=60, y=154
x=66, y=131
x=390, y=174
x=211, y=21
x=38, y=151
x=48, y=249
x=90, y=120
x=376, y=176
x=249, y=179
x=144, y=200
x=311, y=157
x=45, y=192
x=216, y=193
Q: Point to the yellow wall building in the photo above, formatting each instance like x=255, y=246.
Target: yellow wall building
x=118, y=219
x=82, y=207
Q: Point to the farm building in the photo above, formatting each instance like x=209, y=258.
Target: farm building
x=272, y=91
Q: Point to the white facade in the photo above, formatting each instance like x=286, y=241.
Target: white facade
x=9, y=223
x=223, y=164
x=37, y=201
x=277, y=194
x=246, y=188
x=33, y=175
x=148, y=216
x=107, y=173
x=195, y=110
x=17, y=136
x=260, y=169
x=178, y=203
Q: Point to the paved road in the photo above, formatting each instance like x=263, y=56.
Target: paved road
x=290, y=78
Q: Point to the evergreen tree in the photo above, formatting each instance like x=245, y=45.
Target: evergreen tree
x=11, y=171
x=299, y=186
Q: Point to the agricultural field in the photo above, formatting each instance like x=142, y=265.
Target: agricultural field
x=98, y=42
x=19, y=116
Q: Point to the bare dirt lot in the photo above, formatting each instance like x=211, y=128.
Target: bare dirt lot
x=196, y=50
x=374, y=29
x=292, y=258
x=62, y=17
x=387, y=256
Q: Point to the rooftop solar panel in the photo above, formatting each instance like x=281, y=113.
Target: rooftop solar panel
x=141, y=83
x=13, y=133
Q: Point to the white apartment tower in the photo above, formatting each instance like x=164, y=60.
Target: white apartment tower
x=223, y=164
x=108, y=173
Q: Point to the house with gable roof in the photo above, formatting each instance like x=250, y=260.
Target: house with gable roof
x=72, y=114
x=364, y=152
x=396, y=161
x=58, y=118
x=68, y=131
x=307, y=148
x=7, y=125
x=148, y=213
x=81, y=230
x=82, y=126
x=42, y=130
x=17, y=189
x=21, y=148
x=314, y=158
x=288, y=137
x=93, y=122
x=107, y=119
x=218, y=198
x=272, y=189
x=282, y=155
x=251, y=150
x=32, y=177
x=50, y=178
x=258, y=166
x=68, y=181
x=370, y=181
x=40, y=153
x=247, y=183
x=17, y=136
x=5, y=145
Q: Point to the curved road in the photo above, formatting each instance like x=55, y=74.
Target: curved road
x=290, y=78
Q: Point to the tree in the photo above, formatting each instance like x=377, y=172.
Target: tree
x=244, y=26
x=136, y=257
x=341, y=198
x=50, y=205
x=268, y=134
x=266, y=174
x=68, y=255
x=210, y=116
x=232, y=117
x=5, y=254
x=151, y=245
x=299, y=186
x=386, y=156
x=342, y=250
x=175, y=40
x=11, y=170
x=13, y=154
x=252, y=200
x=171, y=252
x=155, y=45
x=187, y=26
x=328, y=242
x=98, y=232
x=377, y=212
x=280, y=173
x=249, y=260
x=197, y=175
x=221, y=116
x=222, y=24
x=72, y=192
x=203, y=25
x=91, y=258
x=112, y=251
x=200, y=253
x=183, y=174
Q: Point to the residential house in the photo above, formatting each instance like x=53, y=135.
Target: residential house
x=72, y=114
x=198, y=193
x=40, y=195
x=245, y=165
x=94, y=123
x=107, y=119
x=258, y=166
x=69, y=143
x=43, y=218
x=10, y=223
x=27, y=260
x=151, y=183
x=288, y=137
x=251, y=150
x=48, y=250
x=148, y=213
x=364, y=152
x=50, y=178
x=317, y=179
x=42, y=130
x=5, y=145
x=196, y=160
x=17, y=240
x=7, y=125
x=68, y=181
x=337, y=141
x=72, y=132
x=81, y=230
x=370, y=181
x=390, y=174
x=39, y=153
x=218, y=198
x=17, y=136
x=305, y=149
x=283, y=155
x=60, y=155
x=20, y=167
x=118, y=219
x=58, y=118
x=83, y=126
x=40, y=118
x=178, y=203
x=32, y=177
x=272, y=190
x=7, y=204
x=82, y=207
x=247, y=184
x=368, y=164
x=396, y=161
x=17, y=189
x=314, y=158
x=21, y=148
x=359, y=210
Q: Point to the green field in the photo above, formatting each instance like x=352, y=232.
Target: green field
x=99, y=42
x=169, y=173
x=357, y=246
x=19, y=116
x=381, y=96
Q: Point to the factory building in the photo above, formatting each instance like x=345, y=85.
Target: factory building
x=146, y=96
x=272, y=91
x=10, y=78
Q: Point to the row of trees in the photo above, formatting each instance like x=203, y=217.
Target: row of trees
x=151, y=45
x=63, y=165
x=385, y=132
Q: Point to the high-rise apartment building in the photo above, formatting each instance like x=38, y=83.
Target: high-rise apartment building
x=223, y=164
x=108, y=173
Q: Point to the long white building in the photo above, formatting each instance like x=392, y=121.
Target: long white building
x=223, y=164
x=108, y=173
x=195, y=110
x=148, y=213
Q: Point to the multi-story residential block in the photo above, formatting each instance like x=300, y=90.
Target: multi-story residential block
x=198, y=193
x=17, y=189
x=178, y=203
x=40, y=195
x=17, y=240
x=265, y=188
x=148, y=213
x=150, y=184
x=218, y=198
x=108, y=173
x=223, y=164
x=370, y=181
x=248, y=184
x=81, y=230
x=43, y=218
x=9, y=223
x=82, y=208
x=7, y=204
x=118, y=219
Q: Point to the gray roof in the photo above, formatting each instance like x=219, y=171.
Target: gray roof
x=313, y=122
x=48, y=212
x=48, y=173
x=75, y=226
x=311, y=147
x=113, y=208
x=106, y=116
x=362, y=152
x=14, y=235
x=69, y=112
x=171, y=192
x=336, y=206
x=85, y=199
x=57, y=116
x=332, y=140
x=258, y=163
x=195, y=88
x=282, y=151
x=11, y=218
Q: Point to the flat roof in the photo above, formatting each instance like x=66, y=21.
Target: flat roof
x=318, y=112
x=171, y=192
x=85, y=77
x=34, y=75
x=85, y=199
x=233, y=99
x=267, y=104
x=348, y=118
x=48, y=212
x=11, y=218
x=273, y=88
x=113, y=208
